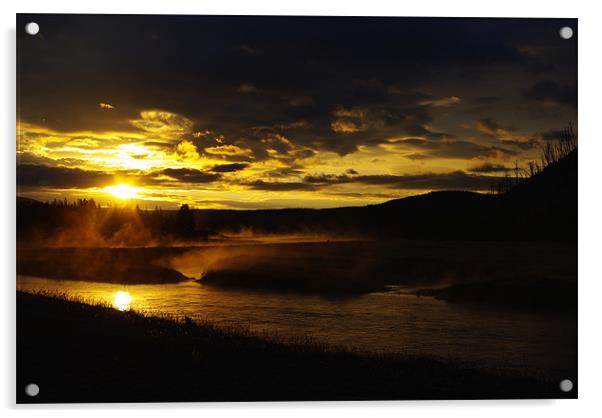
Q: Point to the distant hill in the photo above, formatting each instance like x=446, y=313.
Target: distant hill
x=543, y=207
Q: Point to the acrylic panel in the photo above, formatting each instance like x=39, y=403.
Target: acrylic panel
x=274, y=208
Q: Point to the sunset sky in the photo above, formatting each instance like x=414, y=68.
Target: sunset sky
x=271, y=112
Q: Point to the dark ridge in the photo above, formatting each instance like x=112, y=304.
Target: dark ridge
x=545, y=205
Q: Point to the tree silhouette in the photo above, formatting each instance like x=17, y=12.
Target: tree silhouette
x=185, y=226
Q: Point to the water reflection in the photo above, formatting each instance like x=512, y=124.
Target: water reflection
x=122, y=300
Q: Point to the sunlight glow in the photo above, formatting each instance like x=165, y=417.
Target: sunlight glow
x=122, y=191
x=122, y=300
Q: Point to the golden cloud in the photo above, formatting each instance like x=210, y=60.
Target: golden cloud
x=352, y=113
x=345, y=126
x=187, y=150
x=228, y=150
x=440, y=102
x=161, y=122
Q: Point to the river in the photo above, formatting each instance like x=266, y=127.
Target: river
x=393, y=321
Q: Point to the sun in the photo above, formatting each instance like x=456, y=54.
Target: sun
x=122, y=191
x=122, y=300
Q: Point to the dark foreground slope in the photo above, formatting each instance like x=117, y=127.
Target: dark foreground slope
x=83, y=353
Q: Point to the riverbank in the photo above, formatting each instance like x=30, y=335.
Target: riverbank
x=108, y=265
x=556, y=296
x=83, y=353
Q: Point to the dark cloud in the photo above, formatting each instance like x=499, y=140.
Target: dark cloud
x=300, y=101
x=487, y=99
x=245, y=49
x=229, y=168
x=250, y=77
x=293, y=170
x=453, y=149
x=551, y=93
x=280, y=186
x=30, y=175
x=30, y=158
x=457, y=180
x=488, y=168
x=524, y=145
x=190, y=175
x=552, y=134
x=417, y=156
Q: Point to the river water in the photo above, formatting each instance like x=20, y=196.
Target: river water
x=392, y=322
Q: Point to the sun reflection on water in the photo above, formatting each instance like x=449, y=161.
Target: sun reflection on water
x=122, y=300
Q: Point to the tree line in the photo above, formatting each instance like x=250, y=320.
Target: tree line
x=43, y=221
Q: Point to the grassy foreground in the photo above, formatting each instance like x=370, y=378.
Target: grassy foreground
x=78, y=352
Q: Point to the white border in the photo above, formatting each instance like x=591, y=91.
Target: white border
x=590, y=154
